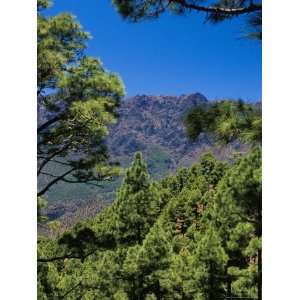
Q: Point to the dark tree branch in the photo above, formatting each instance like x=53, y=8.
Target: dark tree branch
x=46, y=188
x=71, y=290
x=48, y=159
x=55, y=161
x=48, y=123
x=220, y=10
x=82, y=181
x=73, y=181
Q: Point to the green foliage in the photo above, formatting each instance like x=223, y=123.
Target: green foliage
x=216, y=12
x=41, y=204
x=137, y=203
x=193, y=235
x=227, y=121
x=212, y=169
x=77, y=99
x=210, y=261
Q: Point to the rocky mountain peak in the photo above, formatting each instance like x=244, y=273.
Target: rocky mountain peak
x=154, y=126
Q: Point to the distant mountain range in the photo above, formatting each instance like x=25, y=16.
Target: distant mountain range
x=154, y=126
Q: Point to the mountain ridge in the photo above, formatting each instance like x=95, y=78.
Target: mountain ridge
x=154, y=126
x=146, y=120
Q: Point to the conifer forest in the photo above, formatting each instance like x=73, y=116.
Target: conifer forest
x=168, y=189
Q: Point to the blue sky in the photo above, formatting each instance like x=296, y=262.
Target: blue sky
x=172, y=55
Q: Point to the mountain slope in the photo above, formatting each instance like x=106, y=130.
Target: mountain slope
x=154, y=126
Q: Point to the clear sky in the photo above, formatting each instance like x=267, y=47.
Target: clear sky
x=172, y=55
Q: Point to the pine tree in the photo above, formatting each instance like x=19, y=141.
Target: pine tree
x=203, y=243
x=144, y=264
x=137, y=204
x=226, y=121
x=237, y=215
x=76, y=100
x=216, y=12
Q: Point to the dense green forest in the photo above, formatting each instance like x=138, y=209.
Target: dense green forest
x=195, y=234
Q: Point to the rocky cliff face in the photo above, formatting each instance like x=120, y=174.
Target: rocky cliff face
x=154, y=126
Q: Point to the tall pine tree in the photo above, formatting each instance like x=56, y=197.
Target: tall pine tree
x=137, y=204
x=76, y=100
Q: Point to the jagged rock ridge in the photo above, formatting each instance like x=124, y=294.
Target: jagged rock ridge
x=154, y=126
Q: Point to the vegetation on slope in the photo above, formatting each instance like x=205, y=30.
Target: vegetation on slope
x=155, y=126
x=193, y=235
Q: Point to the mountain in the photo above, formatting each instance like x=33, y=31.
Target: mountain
x=152, y=125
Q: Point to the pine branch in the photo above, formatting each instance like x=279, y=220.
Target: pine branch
x=48, y=123
x=220, y=10
x=67, y=256
x=46, y=188
x=72, y=289
x=55, y=161
x=73, y=181
x=48, y=159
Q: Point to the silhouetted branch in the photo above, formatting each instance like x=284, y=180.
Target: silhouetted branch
x=220, y=10
x=67, y=256
x=55, y=161
x=45, y=189
x=48, y=159
x=72, y=181
x=47, y=124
